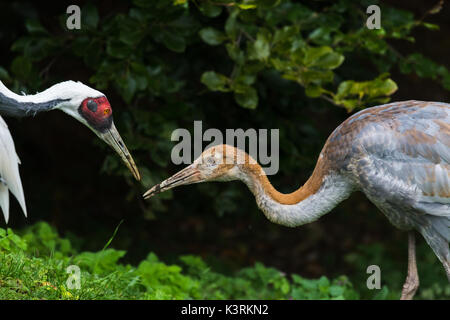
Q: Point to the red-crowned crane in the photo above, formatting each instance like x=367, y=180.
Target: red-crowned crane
x=398, y=154
x=85, y=104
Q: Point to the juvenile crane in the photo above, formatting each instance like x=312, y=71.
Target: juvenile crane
x=398, y=154
x=85, y=104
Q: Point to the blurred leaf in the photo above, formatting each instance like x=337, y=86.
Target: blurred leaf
x=247, y=99
x=3, y=74
x=21, y=67
x=261, y=47
x=89, y=16
x=35, y=27
x=214, y=81
x=244, y=6
x=381, y=294
x=210, y=10
x=211, y=36
x=174, y=41
x=118, y=49
x=431, y=26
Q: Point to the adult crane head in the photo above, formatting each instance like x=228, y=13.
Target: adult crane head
x=87, y=105
x=218, y=163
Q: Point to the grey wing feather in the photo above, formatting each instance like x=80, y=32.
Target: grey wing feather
x=405, y=165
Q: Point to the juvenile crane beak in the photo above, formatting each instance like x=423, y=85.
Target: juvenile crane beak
x=186, y=176
x=112, y=137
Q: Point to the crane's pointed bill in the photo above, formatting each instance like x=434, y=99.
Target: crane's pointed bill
x=186, y=176
x=112, y=137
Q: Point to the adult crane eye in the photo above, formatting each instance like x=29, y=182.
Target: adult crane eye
x=92, y=105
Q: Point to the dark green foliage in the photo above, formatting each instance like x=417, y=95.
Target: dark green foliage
x=24, y=274
x=152, y=55
x=232, y=64
x=33, y=266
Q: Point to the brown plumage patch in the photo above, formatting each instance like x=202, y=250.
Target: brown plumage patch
x=308, y=189
x=251, y=167
x=416, y=137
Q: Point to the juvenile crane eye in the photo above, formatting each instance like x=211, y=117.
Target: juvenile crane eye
x=92, y=105
x=211, y=161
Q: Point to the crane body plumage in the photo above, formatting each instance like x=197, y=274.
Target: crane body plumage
x=397, y=154
x=83, y=103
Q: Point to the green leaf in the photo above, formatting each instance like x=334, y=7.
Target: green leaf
x=382, y=87
x=3, y=75
x=314, y=91
x=89, y=16
x=212, y=36
x=381, y=294
x=330, y=61
x=118, y=49
x=431, y=26
x=247, y=99
x=235, y=53
x=336, y=291
x=245, y=79
x=127, y=86
x=21, y=67
x=231, y=25
x=315, y=76
x=130, y=88
x=352, y=93
x=215, y=81
x=261, y=47
x=210, y=10
x=174, y=41
x=35, y=27
x=244, y=6
x=322, y=57
x=130, y=32
x=268, y=3
x=446, y=81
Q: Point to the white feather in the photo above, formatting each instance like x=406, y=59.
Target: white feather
x=9, y=172
x=73, y=90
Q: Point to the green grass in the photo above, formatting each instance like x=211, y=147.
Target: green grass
x=34, y=262
x=33, y=265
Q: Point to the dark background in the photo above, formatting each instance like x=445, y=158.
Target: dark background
x=64, y=183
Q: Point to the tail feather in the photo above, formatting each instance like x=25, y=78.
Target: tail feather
x=441, y=225
x=9, y=172
x=437, y=235
x=4, y=201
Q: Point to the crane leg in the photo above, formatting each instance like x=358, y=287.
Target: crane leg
x=412, y=279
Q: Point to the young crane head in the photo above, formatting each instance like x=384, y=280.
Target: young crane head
x=218, y=163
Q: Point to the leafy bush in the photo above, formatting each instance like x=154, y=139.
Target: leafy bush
x=24, y=274
x=171, y=60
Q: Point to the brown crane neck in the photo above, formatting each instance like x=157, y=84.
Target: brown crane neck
x=312, y=185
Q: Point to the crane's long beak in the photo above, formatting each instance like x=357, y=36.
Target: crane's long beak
x=112, y=137
x=186, y=176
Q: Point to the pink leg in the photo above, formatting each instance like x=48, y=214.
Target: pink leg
x=412, y=279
